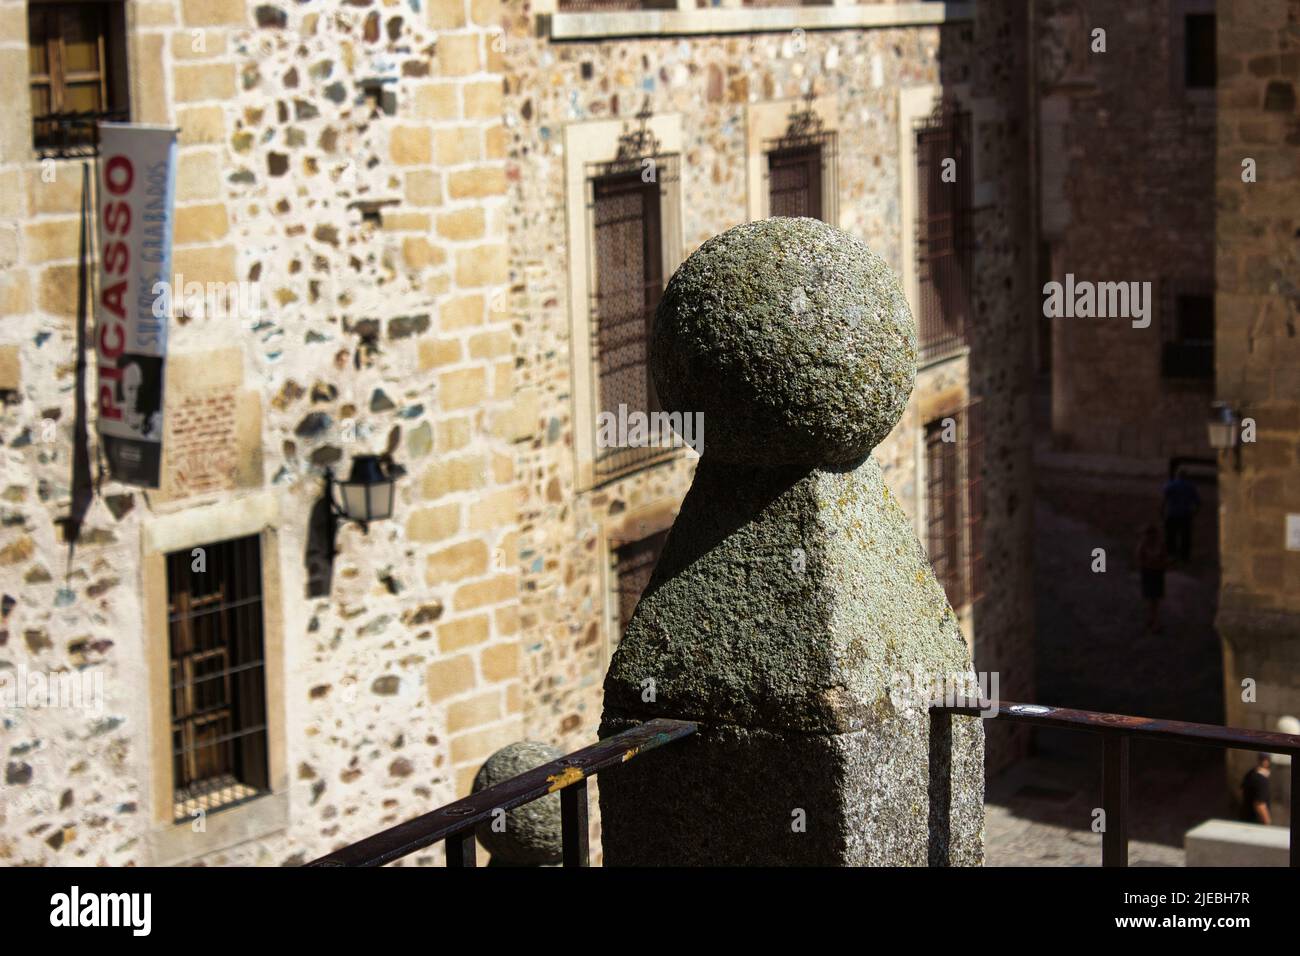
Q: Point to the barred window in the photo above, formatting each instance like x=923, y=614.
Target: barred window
x=943, y=252
x=801, y=168
x=76, y=71
x=635, y=563
x=628, y=260
x=943, y=518
x=795, y=181
x=219, y=732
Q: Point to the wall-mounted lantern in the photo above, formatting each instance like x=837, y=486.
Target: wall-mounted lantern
x=366, y=496
x=1224, y=426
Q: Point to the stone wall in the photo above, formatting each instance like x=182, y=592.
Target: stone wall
x=1126, y=174
x=1258, y=361
x=710, y=81
x=348, y=159
x=390, y=178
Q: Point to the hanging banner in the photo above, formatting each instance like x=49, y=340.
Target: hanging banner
x=136, y=189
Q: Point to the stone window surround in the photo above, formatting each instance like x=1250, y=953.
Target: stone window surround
x=915, y=102
x=146, y=102
x=193, y=527
x=767, y=121
x=597, y=142
x=731, y=17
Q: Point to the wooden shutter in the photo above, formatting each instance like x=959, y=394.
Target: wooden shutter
x=75, y=64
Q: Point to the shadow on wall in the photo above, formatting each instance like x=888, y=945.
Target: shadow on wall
x=318, y=556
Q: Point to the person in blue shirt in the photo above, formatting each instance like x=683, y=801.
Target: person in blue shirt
x=1181, y=504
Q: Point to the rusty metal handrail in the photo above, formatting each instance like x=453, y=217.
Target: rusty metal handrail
x=1116, y=731
x=455, y=823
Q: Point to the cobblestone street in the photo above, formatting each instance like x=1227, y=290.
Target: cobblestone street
x=1093, y=653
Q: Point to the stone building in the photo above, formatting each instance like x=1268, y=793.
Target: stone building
x=1125, y=114
x=1257, y=365
x=436, y=229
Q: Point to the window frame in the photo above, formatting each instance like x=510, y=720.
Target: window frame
x=951, y=119
x=190, y=527
x=808, y=157
x=60, y=132
x=612, y=181
x=232, y=706
x=777, y=125
x=593, y=146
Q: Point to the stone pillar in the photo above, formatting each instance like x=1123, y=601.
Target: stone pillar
x=792, y=592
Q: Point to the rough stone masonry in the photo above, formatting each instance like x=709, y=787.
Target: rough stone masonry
x=792, y=589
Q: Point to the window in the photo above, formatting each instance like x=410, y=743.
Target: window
x=623, y=226
x=943, y=253
x=943, y=507
x=1199, y=51
x=217, y=666
x=1188, y=348
x=795, y=181
x=626, y=206
x=76, y=67
x=798, y=159
x=635, y=563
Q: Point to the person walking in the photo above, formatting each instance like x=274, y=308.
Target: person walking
x=1254, y=791
x=1181, y=502
x=1151, y=563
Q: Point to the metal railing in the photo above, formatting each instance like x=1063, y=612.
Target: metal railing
x=72, y=135
x=454, y=824
x=1116, y=731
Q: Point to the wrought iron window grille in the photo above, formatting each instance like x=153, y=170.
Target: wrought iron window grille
x=631, y=224
x=801, y=168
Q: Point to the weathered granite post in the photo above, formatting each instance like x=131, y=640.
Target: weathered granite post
x=792, y=592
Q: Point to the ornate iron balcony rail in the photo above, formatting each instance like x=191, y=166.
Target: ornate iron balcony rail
x=1116, y=731
x=454, y=824
x=72, y=135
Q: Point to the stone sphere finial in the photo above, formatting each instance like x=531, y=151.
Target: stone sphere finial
x=532, y=832
x=792, y=339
